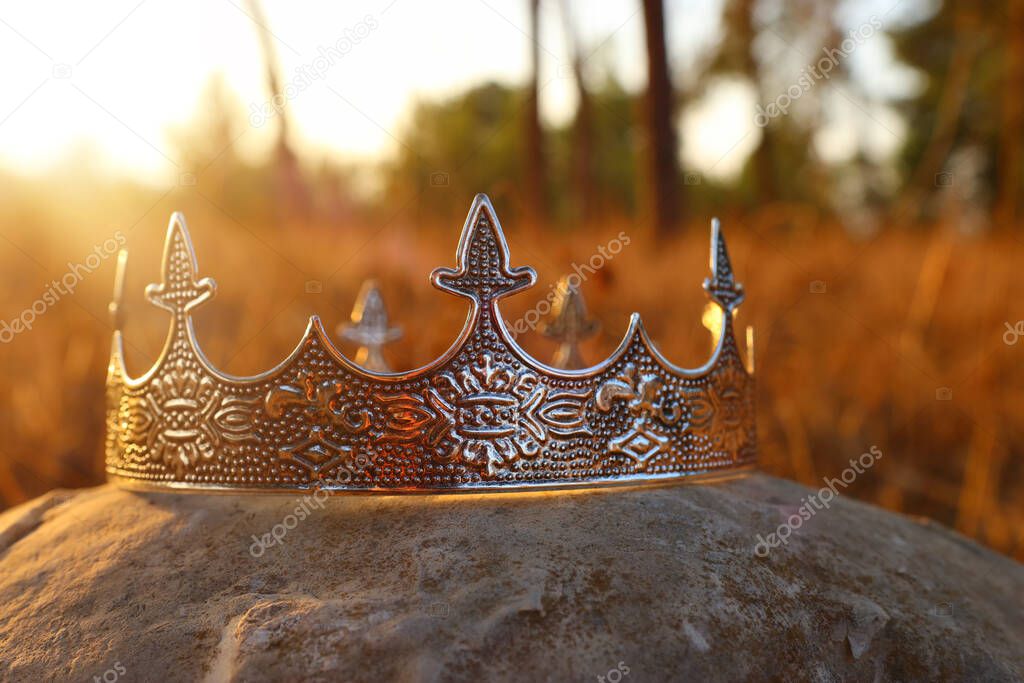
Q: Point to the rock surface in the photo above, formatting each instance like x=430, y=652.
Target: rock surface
x=659, y=582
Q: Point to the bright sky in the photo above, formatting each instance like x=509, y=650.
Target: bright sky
x=114, y=76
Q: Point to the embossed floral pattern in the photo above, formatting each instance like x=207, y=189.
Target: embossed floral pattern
x=492, y=413
x=645, y=438
x=322, y=401
x=185, y=418
x=410, y=417
x=720, y=409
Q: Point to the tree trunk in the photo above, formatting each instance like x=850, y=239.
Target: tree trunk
x=534, y=183
x=967, y=44
x=663, y=165
x=582, y=153
x=291, y=185
x=1011, y=132
x=764, y=160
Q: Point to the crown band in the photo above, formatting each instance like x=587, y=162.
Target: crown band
x=485, y=416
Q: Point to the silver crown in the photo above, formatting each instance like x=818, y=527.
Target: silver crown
x=484, y=416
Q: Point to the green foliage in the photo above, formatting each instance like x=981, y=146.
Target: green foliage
x=929, y=47
x=453, y=147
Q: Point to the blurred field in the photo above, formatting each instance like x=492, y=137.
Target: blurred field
x=902, y=316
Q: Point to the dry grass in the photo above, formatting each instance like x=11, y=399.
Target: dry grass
x=903, y=315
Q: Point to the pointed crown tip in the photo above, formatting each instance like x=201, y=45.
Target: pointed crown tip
x=482, y=205
x=177, y=220
x=177, y=226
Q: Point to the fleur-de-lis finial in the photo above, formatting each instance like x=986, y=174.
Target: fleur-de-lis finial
x=370, y=328
x=722, y=287
x=483, y=272
x=569, y=326
x=179, y=291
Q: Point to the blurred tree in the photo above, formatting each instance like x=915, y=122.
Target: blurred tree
x=736, y=54
x=474, y=140
x=616, y=137
x=535, y=184
x=464, y=143
x=662, y=147
x=785, y=147
x=292, y=188
x=210, y=164
x=582, y=149
x=1011, y=154
x=604, y=175
x=249, y=190
x=955, y=50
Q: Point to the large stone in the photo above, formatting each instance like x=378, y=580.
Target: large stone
x=662, y=582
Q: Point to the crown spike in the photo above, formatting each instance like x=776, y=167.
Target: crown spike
x=722, y=287
x=483, y=273
x=569, y=325
x=179, y=291
x=721, y=266
x=370, y=328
